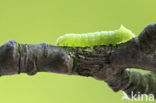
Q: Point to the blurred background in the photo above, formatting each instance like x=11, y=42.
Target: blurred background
x=36, y=21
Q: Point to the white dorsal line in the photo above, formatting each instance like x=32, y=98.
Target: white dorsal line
x=133, y=35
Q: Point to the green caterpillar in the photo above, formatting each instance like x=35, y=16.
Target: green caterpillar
x=96, y=38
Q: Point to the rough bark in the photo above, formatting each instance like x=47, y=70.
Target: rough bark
x=107, y=63
x=110, y=63
x=28, y=58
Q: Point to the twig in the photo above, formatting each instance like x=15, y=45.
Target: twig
x=106, y=63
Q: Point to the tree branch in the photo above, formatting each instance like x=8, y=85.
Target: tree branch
x=107, y=63
x=28, y=58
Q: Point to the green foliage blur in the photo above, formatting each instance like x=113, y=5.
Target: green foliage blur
x=36, y=21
